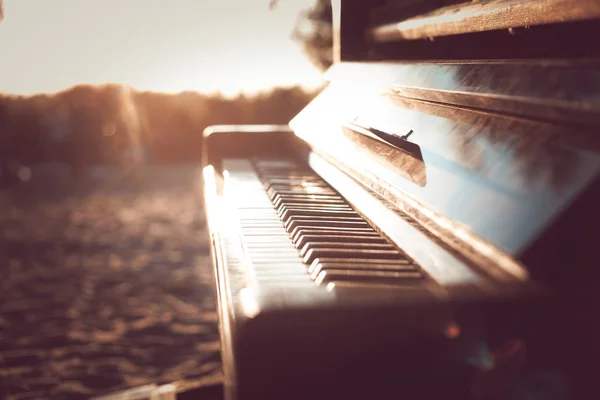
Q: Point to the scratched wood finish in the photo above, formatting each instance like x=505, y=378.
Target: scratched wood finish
x=487, y=15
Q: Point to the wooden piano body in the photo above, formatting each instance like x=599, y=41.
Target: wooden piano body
x=427, y=226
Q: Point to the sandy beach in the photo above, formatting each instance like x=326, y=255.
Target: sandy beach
x=106, y=284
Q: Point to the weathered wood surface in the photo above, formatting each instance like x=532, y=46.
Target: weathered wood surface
x=486, y=15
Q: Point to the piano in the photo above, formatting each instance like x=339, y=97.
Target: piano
x=428, y=226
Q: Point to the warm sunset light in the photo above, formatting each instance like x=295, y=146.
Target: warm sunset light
x=298, y=199
x=229, y=46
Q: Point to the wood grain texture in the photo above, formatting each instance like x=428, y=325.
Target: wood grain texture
x=487, y=15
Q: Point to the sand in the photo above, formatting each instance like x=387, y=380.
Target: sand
x=106, y=284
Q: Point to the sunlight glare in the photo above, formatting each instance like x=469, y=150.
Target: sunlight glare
x=228, y=46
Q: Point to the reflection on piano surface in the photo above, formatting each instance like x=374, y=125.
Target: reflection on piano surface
x=404, y=157
x=422, y=229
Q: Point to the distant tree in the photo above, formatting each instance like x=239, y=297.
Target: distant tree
x=314, y=32
x=85, y=125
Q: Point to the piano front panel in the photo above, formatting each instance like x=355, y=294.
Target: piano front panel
x=487, y=184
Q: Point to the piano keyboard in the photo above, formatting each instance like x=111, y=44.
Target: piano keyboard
x=298, y=231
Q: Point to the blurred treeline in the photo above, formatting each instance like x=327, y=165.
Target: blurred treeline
x=113, y=124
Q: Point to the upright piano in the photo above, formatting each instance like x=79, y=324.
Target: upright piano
x=428, y=226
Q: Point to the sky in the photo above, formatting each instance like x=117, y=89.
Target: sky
x=229, y=46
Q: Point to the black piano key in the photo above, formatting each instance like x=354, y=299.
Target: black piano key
x=300, y=230
x=324, y=218
x=298, y=196
x=319, y=191
x=274, y=168
x=308, y=206
x=294, y=173
x=361, y=263
x=345, y=245
x=289, y=212
x=284, y=214
x=297, y=169
x=292, y=169
x=312, y=204
x=322, y=264
x=293, y=180
x=306, y=188
x=321, y=209
x=388, y=277
x=304, y=198
x=293, y=224
x=310, y=196
x=351, y=253
x=286, y=174
x=345, y=238
x=308, y=200
x=322, y=189
x=371, y=265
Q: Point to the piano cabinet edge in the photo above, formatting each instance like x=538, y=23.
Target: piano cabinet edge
x=285, y=354
x=553, y=255
x=226, y=323
x=222, y=292
x=293, y=354
x=245, y=141
x=366, y=353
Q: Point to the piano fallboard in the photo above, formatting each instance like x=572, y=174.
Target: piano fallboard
x=489, y=184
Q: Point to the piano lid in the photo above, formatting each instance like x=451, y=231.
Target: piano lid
x=553, y=90
x=488, y=177
x=480, y=16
